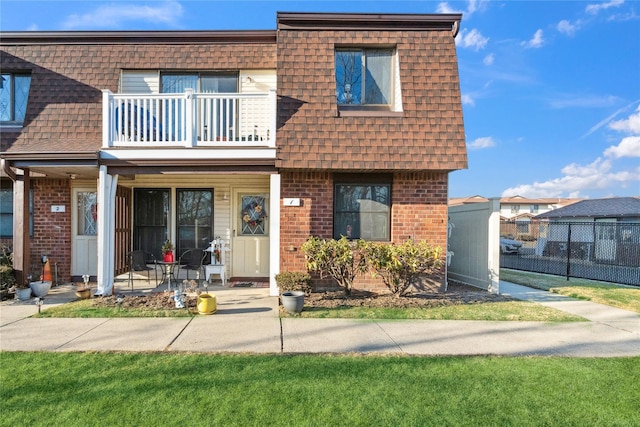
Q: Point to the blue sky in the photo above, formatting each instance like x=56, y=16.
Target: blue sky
x=550, y=89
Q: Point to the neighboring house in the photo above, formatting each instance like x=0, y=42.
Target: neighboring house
x=333, y=124
x=605, y=230
x=518, y=211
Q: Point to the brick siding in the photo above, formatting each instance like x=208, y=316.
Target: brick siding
x=52, y=230
x=419, y=212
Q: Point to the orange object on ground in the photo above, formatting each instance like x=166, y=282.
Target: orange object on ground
x=46, y=276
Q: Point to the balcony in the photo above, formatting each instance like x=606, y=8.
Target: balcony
x=189, y=119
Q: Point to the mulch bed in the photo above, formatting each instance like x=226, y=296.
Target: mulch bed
x=456, y=294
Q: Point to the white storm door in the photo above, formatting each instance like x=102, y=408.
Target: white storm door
x=250, y=246
x=84, y=232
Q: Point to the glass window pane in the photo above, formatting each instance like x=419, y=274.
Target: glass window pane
x=5, y=98
x=219, y=83
x=349, y=77
x=87, y=213
x=195, y=219
x=362, y=211
x=21, y=93
x=378, y=77
x=178, y=83
x=253, y=214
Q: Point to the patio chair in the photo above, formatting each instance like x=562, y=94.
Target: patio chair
x=139, y=261
x=193, y=260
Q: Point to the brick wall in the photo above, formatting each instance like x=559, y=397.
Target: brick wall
x=419, y=212
x=51, y=230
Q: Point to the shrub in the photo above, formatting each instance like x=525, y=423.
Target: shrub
x=294, y=281
x=401, y=266
x=7, y=278
x=340, y=259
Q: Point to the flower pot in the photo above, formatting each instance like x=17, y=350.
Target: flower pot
x=167, y=257
x=84, y=293
x=23, y=294
x=293, y=301
x=206, y=304
x=40, y=288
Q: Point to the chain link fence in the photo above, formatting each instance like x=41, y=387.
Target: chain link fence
x=605, y=251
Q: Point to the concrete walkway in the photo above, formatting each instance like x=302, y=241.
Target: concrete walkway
x=247, y=321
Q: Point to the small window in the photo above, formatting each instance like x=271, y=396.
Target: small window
x=14, y=92
x=6, y=210
x=515, y=209
x=362, y=211
x=365, y=78
x=535, y=208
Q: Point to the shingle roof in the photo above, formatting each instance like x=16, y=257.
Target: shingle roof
x=427, y=135
x=615, y=207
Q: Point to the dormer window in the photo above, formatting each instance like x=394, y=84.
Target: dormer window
x=14, y=92
x=367, y=79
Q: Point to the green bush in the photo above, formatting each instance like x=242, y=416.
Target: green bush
x=403, y=265
x=7, y=278
x=294, y=281
x=340, y=259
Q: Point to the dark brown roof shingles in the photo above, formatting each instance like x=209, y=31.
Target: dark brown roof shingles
x=428, y=136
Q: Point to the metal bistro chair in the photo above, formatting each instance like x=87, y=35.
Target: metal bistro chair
x=192, y=260
x=139, y=261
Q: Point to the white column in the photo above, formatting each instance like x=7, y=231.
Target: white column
x=494, y=246
x=106, y=119
x=107, y=185
x=274, y=232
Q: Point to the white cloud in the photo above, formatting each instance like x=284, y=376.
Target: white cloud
x=115, y=15
x=583, y=101
x=597, y=7
x=468, y=100
x=471, y=39
x=630, y=125
x=600, y=174
x=480, y=143
x=576, y=179
x=488, y=60
x=536, y=41
x=445, y=8
x=628, y=147
x=566, y=27
x=472, y=7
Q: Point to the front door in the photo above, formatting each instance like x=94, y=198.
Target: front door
x=250, y=250
x=84, y=232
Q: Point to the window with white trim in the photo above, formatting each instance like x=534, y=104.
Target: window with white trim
x=367, y=79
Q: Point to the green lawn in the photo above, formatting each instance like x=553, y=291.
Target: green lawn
x=625, y=297
x=513, y=311
x=500, y=311
x=80, y=389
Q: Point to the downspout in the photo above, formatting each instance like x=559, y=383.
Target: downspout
x=7, y=169
x=455, y=28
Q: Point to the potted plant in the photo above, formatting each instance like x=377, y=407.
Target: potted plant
x=23, y=291
x=84, y=290
x=293, y=287
x=167, y=251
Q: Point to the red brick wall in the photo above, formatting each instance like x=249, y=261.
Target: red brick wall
x=419, y=212
x=51, y=230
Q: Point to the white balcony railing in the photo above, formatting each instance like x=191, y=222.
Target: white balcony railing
x=189, y=119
